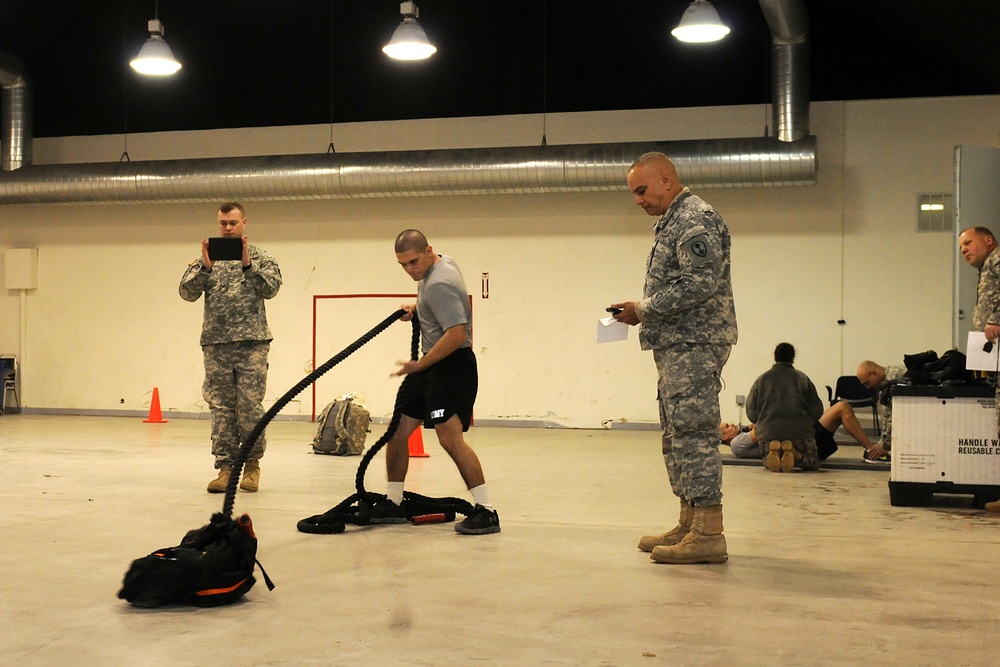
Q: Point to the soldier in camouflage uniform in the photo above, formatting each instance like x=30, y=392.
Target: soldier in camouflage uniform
x=235, y=340
x=689, y=322
x=978, y=246
x=874, y=376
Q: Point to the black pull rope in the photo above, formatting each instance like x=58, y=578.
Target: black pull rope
x=359, y=479
x=251, y=439
x=356, y=508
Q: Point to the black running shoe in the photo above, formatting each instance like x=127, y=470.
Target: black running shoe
x=481, y=522
x=386, y=511
x=885, y=458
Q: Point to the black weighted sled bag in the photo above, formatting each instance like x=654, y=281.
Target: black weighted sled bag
x=212, y=566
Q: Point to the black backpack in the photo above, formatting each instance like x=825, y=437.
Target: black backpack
x=212, y=566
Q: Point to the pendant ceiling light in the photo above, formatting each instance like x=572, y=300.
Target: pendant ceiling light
x=700, y=23
x=155, y=57
x=409, y=41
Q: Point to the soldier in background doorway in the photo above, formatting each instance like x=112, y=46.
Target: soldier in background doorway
x=978, y=246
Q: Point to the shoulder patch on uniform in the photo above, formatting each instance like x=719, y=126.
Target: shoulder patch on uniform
x=698, y=249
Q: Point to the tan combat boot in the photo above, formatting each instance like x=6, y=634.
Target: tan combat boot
x=251, y=475
x=648, y=542
x=704, y=544
x=789, y=455
x=992, y=507
x=218, y=485
x=773, y=459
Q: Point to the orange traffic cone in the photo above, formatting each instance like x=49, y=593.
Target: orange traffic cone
x=155, y=416
x=416, y=444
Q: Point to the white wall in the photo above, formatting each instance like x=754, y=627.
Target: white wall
x=106, y=324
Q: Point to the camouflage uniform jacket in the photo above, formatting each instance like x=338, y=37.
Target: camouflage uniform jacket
x=234, y=298
x=894, y=373
x=988, y=293
x=688, y=294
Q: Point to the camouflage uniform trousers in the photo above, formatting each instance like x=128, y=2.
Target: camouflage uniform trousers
x=235, y=380
x=997, y=403
x=688, y=393
x=994, y=378
x=885, y=437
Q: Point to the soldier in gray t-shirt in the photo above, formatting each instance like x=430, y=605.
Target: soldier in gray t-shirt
x=439, y=389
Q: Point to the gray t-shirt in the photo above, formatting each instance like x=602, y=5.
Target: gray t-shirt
x=743, y=446
x=442, y=303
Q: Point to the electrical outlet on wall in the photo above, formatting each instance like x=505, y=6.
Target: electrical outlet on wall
x=741, y=400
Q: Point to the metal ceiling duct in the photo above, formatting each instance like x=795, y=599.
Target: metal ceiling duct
x=789, y=27
x=576, y=168
x=790, y=159
x=15, y=113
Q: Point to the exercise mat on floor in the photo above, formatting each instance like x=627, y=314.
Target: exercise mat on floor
x=839, y=461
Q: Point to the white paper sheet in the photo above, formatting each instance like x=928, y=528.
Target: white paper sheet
x=609, y=330
x=977, y=359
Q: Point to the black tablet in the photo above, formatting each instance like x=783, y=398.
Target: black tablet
x=225, y=247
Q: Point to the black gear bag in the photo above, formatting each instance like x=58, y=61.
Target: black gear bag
x=212, y=566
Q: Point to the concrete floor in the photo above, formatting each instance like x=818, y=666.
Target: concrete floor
x=822, y=570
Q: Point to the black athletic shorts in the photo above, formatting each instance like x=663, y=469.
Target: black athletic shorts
x=447, y=388
x=825, y=444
